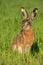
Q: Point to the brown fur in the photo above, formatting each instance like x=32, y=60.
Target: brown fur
x=26, y=37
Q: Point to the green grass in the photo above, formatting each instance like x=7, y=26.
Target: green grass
x=10, y=21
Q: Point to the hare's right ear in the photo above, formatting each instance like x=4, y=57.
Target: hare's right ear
x=24, y=12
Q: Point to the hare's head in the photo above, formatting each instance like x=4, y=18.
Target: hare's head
x=26, y=23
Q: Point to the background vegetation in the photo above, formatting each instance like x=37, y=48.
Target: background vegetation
x=10, y=21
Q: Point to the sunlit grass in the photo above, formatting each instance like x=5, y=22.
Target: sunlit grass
x=10, y=21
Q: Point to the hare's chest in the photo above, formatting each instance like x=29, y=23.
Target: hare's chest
x=29, y=36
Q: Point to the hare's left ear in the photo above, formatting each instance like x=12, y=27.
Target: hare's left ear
x=24, y=12
x=33, y=14
x=35, y=11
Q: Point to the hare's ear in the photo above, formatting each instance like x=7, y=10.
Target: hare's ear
x=24, y=12
x=33, y=14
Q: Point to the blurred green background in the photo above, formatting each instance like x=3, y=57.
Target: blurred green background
x=10, y=21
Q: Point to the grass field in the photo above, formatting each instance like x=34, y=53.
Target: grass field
x=10, y=21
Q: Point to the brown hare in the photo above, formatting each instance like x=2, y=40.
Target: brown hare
x=26, y=36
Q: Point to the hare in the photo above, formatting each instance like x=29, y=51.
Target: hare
x=26, y=36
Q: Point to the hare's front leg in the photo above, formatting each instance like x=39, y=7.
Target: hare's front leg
x=27, y=48
x=20, y=49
